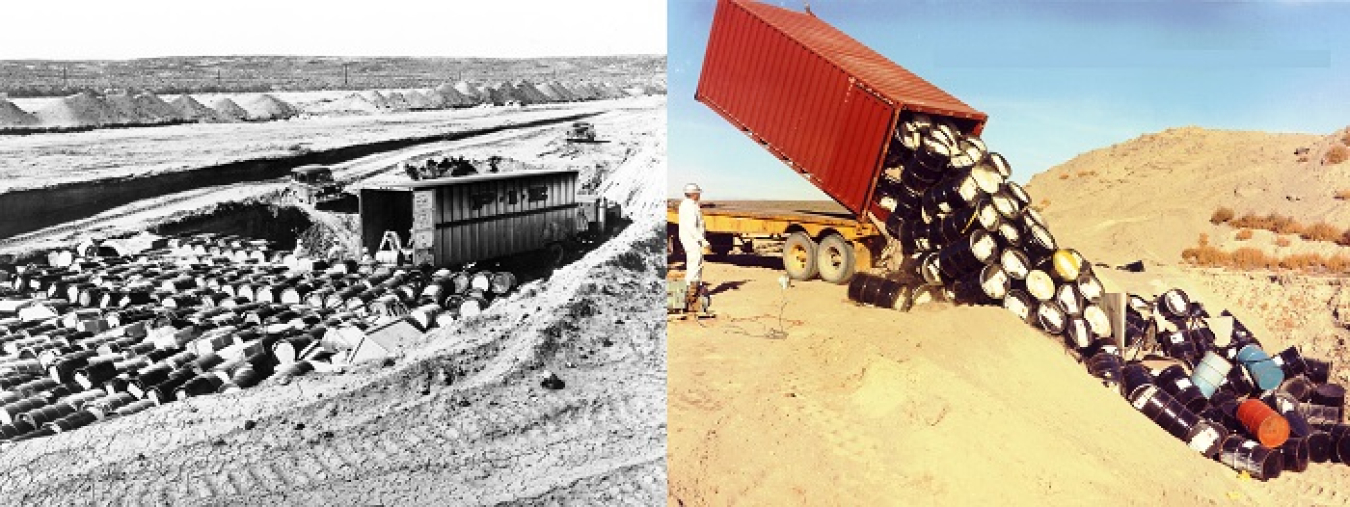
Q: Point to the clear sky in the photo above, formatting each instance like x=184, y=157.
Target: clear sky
x=125, y=29
x=1056, y=78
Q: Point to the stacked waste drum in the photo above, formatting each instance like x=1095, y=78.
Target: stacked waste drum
x=967, y=235
x=90, y=337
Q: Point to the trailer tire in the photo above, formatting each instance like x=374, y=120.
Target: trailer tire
x=835, y=259
x=799, y=256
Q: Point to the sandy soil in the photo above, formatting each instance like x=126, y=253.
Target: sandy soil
x=36, y=161
x=798, y=397
x=461, y=419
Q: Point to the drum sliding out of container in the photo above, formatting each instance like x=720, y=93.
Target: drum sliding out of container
x=1020, y=304
x=1051, y=318
x=1107, y=367
x=875, y=291
x=989, y=285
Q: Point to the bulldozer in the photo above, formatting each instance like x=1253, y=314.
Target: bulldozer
x=581, y=132
x=313, y=185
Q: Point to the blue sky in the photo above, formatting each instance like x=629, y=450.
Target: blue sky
x=1056, y=78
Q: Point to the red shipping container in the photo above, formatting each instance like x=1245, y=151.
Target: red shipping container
x=817, y=99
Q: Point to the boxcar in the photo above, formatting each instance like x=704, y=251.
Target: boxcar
x=455, y=221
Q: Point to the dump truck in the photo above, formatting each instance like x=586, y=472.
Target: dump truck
x=826, y=106
x=451, y=222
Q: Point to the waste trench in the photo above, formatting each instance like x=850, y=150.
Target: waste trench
x=968, y=235
x=113, y=328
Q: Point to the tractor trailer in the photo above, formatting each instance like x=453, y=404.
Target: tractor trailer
x=827, y=107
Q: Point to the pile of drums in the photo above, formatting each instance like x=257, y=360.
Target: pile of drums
x=92, y=336
x=1226, y=396
x=969, y=236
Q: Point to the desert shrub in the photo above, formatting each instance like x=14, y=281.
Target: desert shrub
x=1345, y=238
x=1284, y=225
x=1250, y=258
x=1337, y=154
x=1205, y=255
x=1339, y=263
x=1282, y=241
x=1343, y=195
x=1345, y=137
x=1064, y=176
x=1302, y=262
x=1321, y=231
x=1251, y=221
x=1244, y=235
x=1221, y=215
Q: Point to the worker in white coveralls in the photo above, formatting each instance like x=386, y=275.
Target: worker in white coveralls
x=692, y=237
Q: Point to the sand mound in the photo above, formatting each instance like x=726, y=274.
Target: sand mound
x=563, y=92
x=267, y=107
x=80, y=110
x=468, y=90
x=609, y=91
x=434, y=100
x=351, y=103
x=396, y=100
x=189, y=109
x=582, y=91
x=12, y=116
x=1112, y=203
x=125, y=106
x=416, y=100
x=453, y=97
x=376, y=98
x=528, y=90
x=548, y=91
x=156, y=109
x=227, y=109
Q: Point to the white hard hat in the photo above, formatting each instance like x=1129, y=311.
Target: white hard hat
x=692, y=188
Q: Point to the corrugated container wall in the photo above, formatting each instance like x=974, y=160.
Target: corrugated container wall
x=454, y=221
x=817, y=99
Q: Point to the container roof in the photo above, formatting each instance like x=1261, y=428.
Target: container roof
x=877, y=72
x=460, y=180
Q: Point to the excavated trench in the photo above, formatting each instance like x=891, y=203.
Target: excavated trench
x=317, y=232
x=34, y=209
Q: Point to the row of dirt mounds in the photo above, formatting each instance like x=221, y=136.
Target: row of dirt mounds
x=121, y=109
x=88, y=110
x=467, y=94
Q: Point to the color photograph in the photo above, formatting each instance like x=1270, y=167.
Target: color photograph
x=1008, y=253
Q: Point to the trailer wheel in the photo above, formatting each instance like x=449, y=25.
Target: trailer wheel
x=799, y=256
x=835, y=259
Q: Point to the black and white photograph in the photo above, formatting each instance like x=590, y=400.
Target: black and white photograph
x=321, y=253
